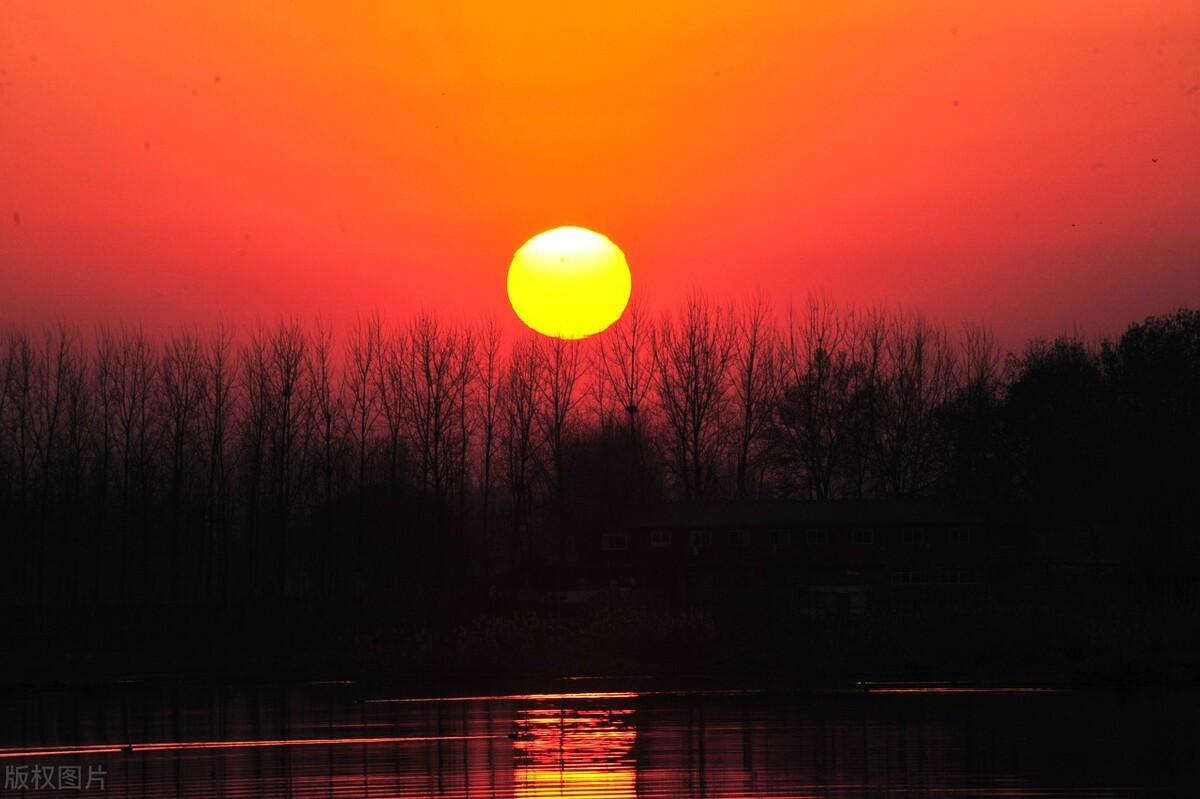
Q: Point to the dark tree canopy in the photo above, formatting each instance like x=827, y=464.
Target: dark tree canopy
x=291, y=462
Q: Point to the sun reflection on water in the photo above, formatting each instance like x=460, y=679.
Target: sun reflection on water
x=574, y=751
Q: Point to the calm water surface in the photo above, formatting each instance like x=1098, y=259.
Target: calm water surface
x=333, y=740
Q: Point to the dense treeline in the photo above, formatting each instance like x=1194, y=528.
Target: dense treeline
x=284, y=462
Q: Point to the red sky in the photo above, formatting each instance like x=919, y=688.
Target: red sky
x=183, y=162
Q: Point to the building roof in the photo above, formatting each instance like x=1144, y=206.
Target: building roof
x=798, y=514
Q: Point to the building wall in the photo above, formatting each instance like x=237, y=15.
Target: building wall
x=904, y=557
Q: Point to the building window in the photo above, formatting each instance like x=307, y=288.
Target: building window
x=913, y=535
x=738, y=538
x=863, y=535
x=701, y=538
x=779, y=538
x=614, y=542
x=960, y=535
x=959, y=578
x=660, y=539
x=902, y=578
x=816, y=537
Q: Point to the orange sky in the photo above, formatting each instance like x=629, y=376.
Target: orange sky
x=189, y=161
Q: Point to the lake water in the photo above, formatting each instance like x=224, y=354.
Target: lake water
x=333, y=740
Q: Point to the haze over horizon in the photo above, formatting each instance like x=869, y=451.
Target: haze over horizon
x=1033, y=167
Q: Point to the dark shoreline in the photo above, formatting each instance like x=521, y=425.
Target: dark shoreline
x=1083, y=640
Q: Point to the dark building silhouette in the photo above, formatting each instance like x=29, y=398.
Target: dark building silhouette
x=1077, y=552
x=840, y=556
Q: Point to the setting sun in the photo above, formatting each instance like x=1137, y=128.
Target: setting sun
x=569, y=282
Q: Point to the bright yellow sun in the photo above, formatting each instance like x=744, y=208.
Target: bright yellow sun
x=569, y=282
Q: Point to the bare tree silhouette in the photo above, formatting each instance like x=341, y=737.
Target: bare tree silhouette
x=692, y=356
x=286, y=463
